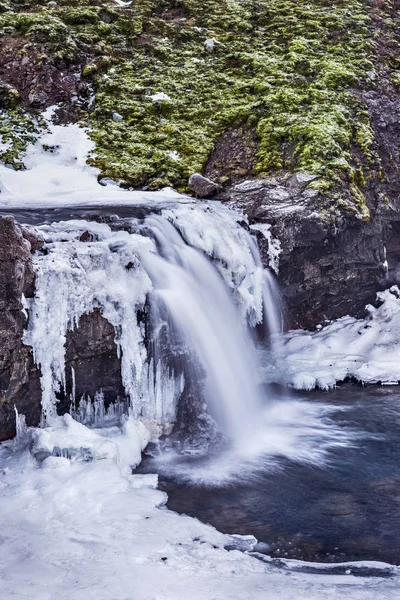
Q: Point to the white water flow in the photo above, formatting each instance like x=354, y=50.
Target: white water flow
x=197, y=276
x=203, y=313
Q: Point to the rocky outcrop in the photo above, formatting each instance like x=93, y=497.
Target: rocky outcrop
x=91, y=352
x=19, y=378
x=91, y=362
x=327, y=268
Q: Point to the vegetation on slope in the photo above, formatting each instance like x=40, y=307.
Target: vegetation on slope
x=169, y=77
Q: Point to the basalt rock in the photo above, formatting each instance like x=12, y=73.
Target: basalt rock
x=91, y=362
x=327, y=268
x=19, y=378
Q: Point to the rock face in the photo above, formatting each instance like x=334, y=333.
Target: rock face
x=19, y=378
x=327, y=269
x=91, y=352
x=91, y=355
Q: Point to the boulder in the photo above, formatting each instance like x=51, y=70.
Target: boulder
x=202, y=186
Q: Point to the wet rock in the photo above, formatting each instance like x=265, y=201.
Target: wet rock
x=202, y=186
x=87, y=237
x=19, y=378
x=328, y=267
x=91, y=354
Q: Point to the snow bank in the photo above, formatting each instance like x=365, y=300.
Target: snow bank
x=366, y=349
x=89, y=530
x=57, y=175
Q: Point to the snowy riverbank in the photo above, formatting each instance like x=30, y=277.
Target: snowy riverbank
x=75, y=529
x=364, y=349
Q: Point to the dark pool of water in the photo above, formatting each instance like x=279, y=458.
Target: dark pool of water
x=346, y=508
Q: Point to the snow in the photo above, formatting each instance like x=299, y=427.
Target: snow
x=366, y=349
x=160, y=96
x=174, y=155
x=84, y=528
x=57, y=175
x=210, y=44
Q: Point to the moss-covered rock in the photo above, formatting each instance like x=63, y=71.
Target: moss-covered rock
x=290, y=71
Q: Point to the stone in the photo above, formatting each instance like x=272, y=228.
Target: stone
x=250, y=185
x=299, y=181
x=117, y=118
x=202, y=186
x=278, y=194
x=310, y=194
x=19, y=378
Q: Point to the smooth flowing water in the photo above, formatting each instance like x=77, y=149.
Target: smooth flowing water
x=185, y=290
x=342, y=504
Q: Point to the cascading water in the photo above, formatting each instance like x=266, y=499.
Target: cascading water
x=197, y=276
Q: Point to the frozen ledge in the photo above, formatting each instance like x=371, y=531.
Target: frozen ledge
x=367, y=350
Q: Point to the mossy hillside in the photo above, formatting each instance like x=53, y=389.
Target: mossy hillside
x=284, y=67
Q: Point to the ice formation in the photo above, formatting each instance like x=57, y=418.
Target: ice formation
x=366, y=349
x=195, y=275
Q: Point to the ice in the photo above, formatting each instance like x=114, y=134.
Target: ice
x=76, y=530
x=76, y=277
x=274, y=245
x=365, y=349
x=196, y=274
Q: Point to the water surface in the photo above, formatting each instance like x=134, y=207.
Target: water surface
x=339, y=504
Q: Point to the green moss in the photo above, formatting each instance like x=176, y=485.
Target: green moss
x=285, y=68
x=17, y=129
x=89, y=70
x=395, y=78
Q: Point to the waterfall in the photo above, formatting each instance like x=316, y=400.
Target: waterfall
x=196, y=275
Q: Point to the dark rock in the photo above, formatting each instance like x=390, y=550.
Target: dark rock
x=234, y=155
x=92, y=353
x=38, y=98
x=87, y=237
x=35, y=242
x=19, y=378
x=299, y=181
x=328, y=268
x=202, y=186
x=38, y=80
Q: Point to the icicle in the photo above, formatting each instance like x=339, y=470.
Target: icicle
x=20, y=426
x=195, y=273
